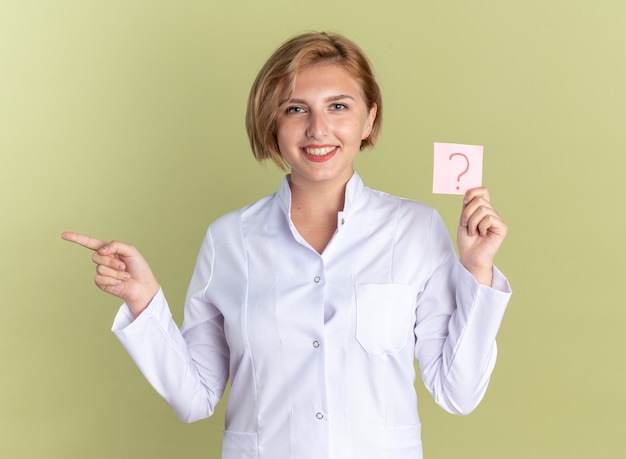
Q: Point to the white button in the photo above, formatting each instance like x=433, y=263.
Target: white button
x=316, y=344
x=316, y=279
x=319, y=416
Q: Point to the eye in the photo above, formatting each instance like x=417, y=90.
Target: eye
x=338, y=106
x=295, y=109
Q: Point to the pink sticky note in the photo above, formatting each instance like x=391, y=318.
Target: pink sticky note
x=457, y=168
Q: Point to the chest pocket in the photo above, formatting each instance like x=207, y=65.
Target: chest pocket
x=385, y=316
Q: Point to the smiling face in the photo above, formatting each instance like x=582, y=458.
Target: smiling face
x=322, y=123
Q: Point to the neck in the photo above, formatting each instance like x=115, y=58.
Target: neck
x=317, y=197
x=314, y=211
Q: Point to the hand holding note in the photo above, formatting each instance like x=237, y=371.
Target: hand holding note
x=481, y=231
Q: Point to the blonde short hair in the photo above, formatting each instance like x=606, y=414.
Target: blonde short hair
x=276, y=81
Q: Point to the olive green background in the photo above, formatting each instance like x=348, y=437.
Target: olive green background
x=123, y=119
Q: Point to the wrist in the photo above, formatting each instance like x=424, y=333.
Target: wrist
x=138, y=304
x=482, y=275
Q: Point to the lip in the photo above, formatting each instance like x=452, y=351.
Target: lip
x=319, y=158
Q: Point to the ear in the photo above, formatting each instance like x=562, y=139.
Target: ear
x=369, y=123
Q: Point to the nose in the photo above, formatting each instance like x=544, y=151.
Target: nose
x=317, y=126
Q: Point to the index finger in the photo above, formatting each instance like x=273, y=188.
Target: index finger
x=478, y=192
x=82, y=239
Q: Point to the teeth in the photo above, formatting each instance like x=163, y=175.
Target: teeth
x=319, y=151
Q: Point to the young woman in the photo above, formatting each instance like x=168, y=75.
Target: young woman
x=315, y=300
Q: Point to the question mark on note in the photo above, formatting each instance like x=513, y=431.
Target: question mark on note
x=457, y=168
x=458, y=179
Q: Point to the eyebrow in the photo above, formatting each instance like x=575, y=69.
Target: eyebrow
x=328, y=99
